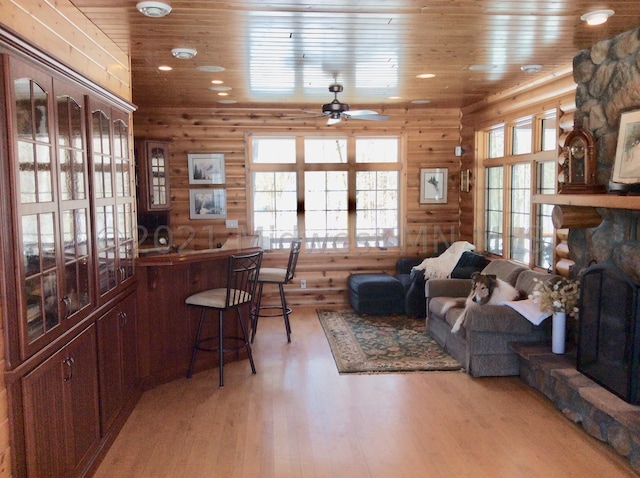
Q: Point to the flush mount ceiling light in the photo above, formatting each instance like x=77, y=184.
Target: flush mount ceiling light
x=531, y=68
x=425, y=75
x=184, y=53
x=220, y=88
x=165, y=68
x=597, y=17
x=154, y=9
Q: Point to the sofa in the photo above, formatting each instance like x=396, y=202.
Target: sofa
x=482, y=345
x=413, y=280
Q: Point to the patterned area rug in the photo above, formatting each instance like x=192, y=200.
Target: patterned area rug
x=367, y=343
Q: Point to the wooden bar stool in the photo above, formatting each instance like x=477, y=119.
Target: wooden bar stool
x=271, y=275
x=242, y=277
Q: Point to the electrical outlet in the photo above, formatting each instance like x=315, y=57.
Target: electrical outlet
x=232, y=224
x=303, y=284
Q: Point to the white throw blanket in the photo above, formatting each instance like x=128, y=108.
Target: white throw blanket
x=529, y=309
x=442, y=266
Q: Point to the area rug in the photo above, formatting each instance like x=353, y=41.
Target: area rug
x=369, y=344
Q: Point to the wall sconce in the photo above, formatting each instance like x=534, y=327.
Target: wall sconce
x=465, y=175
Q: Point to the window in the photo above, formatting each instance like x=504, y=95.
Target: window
x=545, y=230
x=494, y=210
x=520, y=232
x=515, y=227
x=301, y=186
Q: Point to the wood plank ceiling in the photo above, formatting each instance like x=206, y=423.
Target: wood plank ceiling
x=285, y=53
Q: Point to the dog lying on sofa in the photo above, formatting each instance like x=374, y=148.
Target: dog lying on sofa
x=486, y=289
x=482, y=345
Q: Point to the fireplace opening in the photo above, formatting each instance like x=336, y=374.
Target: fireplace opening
x=608, y=331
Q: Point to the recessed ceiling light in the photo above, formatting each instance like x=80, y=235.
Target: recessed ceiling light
x=421, y=102
x=483, y=67
x=210, y=68
x=531, y=68
x=597, y=17
x=217, y=82
x=184, y=53
x=227, y=102
x=220, y=88
x=154, y=9
x=425, y=75
x=223, y=93
x=394, y=97
x=165, y=68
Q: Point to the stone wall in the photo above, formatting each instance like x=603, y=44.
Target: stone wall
x=608, y=84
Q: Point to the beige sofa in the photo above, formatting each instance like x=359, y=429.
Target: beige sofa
x=482, y=344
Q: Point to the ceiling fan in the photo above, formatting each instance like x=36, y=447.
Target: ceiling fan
x=337, y=110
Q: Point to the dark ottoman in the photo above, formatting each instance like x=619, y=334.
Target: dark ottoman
x=376, y=294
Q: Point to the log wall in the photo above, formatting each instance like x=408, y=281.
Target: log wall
x=429, y=137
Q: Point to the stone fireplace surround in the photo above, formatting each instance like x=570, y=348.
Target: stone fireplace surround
x=608, y=84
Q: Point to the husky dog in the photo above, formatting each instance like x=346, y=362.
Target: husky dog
x=486, y=289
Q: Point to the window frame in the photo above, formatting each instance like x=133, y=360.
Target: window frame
x=351, y=166
x=508, y=160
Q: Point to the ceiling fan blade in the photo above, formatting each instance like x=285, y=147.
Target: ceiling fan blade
x=331, y=121
x=361, y=112
x=369, y=117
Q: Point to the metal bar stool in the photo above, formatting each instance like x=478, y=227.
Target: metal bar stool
x=271, y=275
x=242, y=277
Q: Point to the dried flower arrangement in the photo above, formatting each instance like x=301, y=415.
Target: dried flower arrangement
x=561, y=296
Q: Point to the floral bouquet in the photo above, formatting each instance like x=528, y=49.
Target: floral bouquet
x=561, y=296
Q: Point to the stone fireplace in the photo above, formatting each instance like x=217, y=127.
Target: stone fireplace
x=608, y=84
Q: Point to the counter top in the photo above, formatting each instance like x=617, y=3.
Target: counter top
x=186, y=257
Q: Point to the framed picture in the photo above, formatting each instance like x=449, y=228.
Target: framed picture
x=206, y=168
x=208, y=203
x=433, y=185
x=626, y=168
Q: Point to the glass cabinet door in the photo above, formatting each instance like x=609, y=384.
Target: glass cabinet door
x=74, y=203
x=37, y=207
x=153, y=181
x=114, y=218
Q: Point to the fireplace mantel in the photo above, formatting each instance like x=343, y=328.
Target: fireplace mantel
x=614, y=201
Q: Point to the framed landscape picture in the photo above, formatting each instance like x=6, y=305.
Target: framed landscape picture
x=206, y=168
x=207, y=203
x=433, y=185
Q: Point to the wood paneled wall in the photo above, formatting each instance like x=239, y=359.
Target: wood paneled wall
x=429, y=139
x=60, y=28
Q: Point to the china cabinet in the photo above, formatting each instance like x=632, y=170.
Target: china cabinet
x=68, y=297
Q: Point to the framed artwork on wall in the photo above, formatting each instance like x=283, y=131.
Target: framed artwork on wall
x=433, y=185
x=626, y=168
x=207, y=203
x=206, y=168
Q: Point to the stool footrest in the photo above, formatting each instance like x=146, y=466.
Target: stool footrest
x=271, y=307
x=242, y=343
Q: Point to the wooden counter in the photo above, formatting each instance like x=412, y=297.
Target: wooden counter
x=166, y=325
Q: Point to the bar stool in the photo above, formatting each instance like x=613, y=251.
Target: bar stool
x=271, y=275
x=242, y=277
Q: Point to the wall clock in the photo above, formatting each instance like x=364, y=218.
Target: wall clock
x=579, y=167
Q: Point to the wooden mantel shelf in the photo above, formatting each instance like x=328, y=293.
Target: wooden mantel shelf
x=613, y=201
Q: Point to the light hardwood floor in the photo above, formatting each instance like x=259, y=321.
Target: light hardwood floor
x=299, y=418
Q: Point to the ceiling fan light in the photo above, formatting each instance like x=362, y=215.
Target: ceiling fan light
x=153, y=9
x=597, y=17
x=184, y=53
